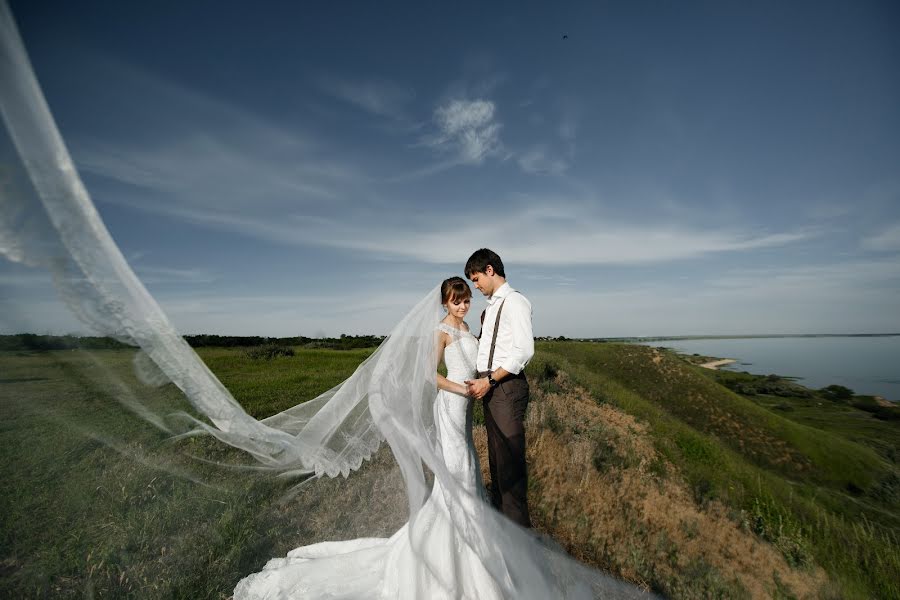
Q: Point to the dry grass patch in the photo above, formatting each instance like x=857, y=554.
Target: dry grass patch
x=602, y=490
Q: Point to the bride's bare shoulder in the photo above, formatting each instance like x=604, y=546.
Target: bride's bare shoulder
x=443, y=335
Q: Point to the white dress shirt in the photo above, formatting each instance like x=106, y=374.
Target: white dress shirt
x=515, y=340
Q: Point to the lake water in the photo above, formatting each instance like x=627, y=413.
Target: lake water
x=867, y=365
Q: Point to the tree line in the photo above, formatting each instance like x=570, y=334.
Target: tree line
x=36, y=342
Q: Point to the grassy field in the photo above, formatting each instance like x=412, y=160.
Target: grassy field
x=97, y=503
x=680, y=484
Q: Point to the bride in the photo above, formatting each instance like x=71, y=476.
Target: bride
x=427, y=558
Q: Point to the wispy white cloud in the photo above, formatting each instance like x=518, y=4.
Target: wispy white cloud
x=21, y=278
x=538, y=160
x=27, y=279
x=538, y=240
x=153, y=275
x=567, y=128
x=201, y=151
x=544, y=231
x=550, y=278
x=843, y=297
x=221, y=168
x=886, y=240
x=536, y=243
x=214, y=171
x=426, y=171
x=354, y=311
x=216, y=166
x=550, y=231
x=468, y=128
x=378, y=97
x=843, y=288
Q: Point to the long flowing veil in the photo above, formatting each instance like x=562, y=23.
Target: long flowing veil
x=49, y=225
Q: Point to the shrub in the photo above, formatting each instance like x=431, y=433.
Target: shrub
x=871, y=405
x=837, y=393
x=546, y=379
x=269, y=351
x=771, y=385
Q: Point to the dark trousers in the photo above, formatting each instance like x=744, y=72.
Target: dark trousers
x=504, y=419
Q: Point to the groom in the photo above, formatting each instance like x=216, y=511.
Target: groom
x=506, y=345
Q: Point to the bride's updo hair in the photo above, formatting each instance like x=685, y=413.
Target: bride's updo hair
x=455, y=288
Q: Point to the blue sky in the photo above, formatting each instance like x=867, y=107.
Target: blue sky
x=315, y=168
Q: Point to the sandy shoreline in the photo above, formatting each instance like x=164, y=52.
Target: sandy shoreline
x=715, y=364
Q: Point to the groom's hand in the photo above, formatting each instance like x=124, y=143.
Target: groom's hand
x=478, y=388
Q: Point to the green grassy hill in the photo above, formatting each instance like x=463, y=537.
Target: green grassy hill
x=641, y=464
x=815, y=488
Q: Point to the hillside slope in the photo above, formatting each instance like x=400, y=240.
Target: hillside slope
x=643, y=465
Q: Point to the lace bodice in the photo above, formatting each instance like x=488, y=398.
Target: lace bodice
x=460, y=354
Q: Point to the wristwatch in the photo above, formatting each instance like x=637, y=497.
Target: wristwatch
x=493, y=382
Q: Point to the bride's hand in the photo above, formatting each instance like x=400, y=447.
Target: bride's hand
x=478, y=388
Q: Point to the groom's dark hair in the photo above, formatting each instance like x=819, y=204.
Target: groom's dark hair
x=480, y=260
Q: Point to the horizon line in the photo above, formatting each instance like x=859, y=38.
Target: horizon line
x=537, y=337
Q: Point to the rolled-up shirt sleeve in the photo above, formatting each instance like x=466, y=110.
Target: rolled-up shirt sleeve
x=522, y=348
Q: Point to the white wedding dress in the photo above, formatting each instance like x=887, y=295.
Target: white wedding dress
x=428, y=559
